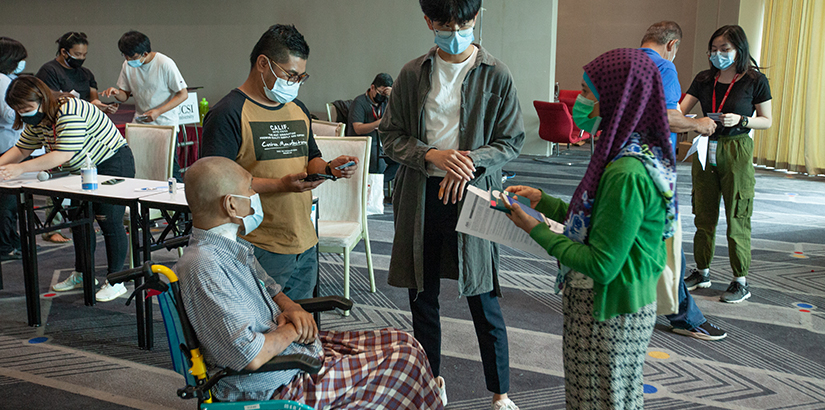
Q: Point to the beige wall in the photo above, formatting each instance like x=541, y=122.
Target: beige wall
x=350, y=41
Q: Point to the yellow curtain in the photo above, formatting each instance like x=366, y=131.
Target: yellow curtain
x=793, y=52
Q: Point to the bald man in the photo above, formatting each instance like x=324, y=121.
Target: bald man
x=243, y=319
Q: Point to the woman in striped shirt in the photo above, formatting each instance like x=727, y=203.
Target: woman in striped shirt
x=71, y=129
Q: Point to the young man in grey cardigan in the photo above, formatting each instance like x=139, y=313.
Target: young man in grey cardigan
x=453, y=119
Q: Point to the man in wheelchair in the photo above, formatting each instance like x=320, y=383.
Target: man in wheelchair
x=243, y=319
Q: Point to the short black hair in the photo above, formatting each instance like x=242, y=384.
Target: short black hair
x=279, y=42
x=662, y=32
x=70, y=39
x=134, y=42
x=450, y=11
x=12, y=53
x=382, y=80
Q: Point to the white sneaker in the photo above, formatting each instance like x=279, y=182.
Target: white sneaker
x=442, y=390
x=504, y=404
x=109, y=292
x=74, y=281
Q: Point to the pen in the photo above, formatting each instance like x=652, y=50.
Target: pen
x=155, y=188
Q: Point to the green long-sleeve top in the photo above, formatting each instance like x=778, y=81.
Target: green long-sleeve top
x=625, y=253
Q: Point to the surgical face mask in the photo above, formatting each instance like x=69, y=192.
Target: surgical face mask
x=281, y=92
x=32, y=117
x=252, y=221
x=73, y=62
x=454, y=42
x=135, y=63
x=20, y=67
x=722, y=60
x=379, y=98
x=581, y=113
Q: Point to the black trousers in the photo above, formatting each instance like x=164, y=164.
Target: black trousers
x=441, y=255
x=110, y=217
x=9, y=238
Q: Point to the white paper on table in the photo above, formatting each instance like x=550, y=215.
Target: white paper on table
x=478, y=219
x=700, y=146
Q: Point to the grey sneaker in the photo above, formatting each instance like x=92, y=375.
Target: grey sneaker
x=74, y=281
x=705, y=331
x=735, y=293
x=697, y=280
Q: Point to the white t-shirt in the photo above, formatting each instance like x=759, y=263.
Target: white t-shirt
x=151, y=85
x=442, y=110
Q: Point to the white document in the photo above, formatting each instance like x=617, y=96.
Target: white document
x=479, y=219
x=700, y=147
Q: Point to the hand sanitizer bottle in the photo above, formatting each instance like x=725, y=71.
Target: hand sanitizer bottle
x=88, y=175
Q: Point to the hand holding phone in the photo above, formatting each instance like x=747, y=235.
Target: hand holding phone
x=347, y=165
x=142, y=118
x=318, y=177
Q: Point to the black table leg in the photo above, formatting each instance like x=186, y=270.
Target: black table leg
x=29, y=253
x=134, y=227
x=144, y=223
x=88, y=258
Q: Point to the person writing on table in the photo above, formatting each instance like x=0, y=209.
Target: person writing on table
x=734, y=87
x=12, y=62
x=612, y=251
x=71, y=129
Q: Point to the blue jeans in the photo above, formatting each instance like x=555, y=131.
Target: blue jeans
x=296, y=274
x=689, y=315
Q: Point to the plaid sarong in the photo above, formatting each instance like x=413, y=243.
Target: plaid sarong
x=381, y=369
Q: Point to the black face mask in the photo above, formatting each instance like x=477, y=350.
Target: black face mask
x=74, y=62
x=379, y=98
x=33, y=119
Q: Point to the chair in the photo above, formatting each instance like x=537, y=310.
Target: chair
x=332, y=113
x=153, y=147
x=556, y=124
x=342, y=222
x=568, y=97
x=185, y=348
x=328, y=129
x=338, y=110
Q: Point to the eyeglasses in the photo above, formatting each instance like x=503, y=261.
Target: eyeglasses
x=291, y=79
x=465, y=32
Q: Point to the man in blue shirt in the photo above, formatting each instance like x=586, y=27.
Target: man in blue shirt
x=661, y=42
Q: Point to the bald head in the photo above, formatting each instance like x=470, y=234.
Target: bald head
x=208, y=181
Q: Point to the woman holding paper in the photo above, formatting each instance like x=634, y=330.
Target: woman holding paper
x=72, y=130
x=612, y=250
x=729, y=92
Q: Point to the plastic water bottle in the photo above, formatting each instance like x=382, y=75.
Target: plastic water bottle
x=88, y=175
x=203, y=107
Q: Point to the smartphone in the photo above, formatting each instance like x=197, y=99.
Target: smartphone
x=142, y=118
x=318, y=177
x=113, y=181
x=347, y=165
x=495, y=203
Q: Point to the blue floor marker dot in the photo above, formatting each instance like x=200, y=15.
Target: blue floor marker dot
x=37, y=340
x=648, y=389
x=804, y=305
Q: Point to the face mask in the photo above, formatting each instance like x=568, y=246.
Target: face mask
x=723, y=60
x=281, y=92
x=20, y=67
x=135, y=63
x=74, y=62
x=379, y=98
x=32, y=117
x=581, y=113
x=250, y=222
x=454, y=42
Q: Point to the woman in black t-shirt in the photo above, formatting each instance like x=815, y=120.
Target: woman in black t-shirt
x=66, y=72
x=729, y=92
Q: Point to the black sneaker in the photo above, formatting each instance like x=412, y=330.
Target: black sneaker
x=705, y=331
x=697, y=280
x=735, y=293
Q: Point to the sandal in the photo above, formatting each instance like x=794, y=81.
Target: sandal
x=55, y=237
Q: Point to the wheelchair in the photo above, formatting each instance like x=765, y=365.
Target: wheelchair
x=185, y=348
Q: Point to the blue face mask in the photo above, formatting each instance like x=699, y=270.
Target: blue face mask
x=454, y=42
x=581, y=114
x=135, y=63
x=282, y=91
x=20, y=67
x=722, y=60
x=252, y=221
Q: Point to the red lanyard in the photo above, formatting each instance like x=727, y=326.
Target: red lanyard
x=713, y=104
x=375, y=114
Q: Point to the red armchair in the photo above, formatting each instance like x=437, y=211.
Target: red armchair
x=556, y=125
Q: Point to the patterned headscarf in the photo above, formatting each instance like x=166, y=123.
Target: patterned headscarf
x=634, y=123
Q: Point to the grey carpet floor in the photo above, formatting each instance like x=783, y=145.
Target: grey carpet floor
x=773, y=357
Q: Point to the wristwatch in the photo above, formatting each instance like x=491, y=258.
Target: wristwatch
x=743, y=121
x=328, y=171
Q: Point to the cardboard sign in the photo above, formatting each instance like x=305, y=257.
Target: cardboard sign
x=188, y=110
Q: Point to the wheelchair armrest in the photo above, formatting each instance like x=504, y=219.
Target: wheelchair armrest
x=325, y=303
x=301, y=362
